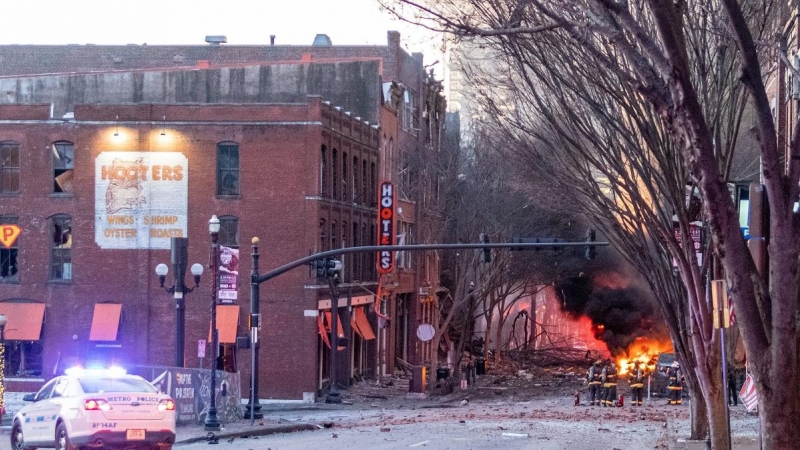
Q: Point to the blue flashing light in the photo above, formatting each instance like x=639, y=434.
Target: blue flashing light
x=114, y=371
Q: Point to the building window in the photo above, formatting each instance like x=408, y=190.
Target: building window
x=61, y=250
x=335, y=177
x=228, y=168
x=408, y=110
x=356, y=166
x=334, y=234
x=63, y=158
x=354, y=257
x=344, y=177
x=229, y=231
x=9, y=264
x=9, y=168
x=364, y=177
x=374, y=186
x=23, y=359
x=323, y=241
x=323, y=172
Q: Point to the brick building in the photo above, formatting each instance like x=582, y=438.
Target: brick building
x=108, y=151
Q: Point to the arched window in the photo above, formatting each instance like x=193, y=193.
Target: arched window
x=61, y=247
x=335, y=174
x=323, y=171
x=63, y=165
x=228, y=168
x=9, y=167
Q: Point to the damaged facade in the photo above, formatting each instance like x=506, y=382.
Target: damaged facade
x=109, y=151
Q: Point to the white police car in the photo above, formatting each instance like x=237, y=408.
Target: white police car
x=95, y=409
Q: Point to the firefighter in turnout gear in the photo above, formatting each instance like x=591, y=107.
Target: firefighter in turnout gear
x=636, y=380
x=610, y=384
x=595, y=380
x=675, y=384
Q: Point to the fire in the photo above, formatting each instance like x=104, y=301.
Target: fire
x=645, y=351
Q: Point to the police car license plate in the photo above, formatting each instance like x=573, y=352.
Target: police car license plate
x=135, y=435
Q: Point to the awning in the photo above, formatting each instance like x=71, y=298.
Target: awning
x=24, y=320
x=361, y=324
x=227, y=322
x=105, y=322
x=339, y=330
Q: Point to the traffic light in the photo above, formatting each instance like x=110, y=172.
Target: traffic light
x=591, y=252
x=333, y=268
x=318, y=265
x=486, y=252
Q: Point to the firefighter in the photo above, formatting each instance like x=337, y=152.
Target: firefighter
x=636, y=380
x=595, y=380
x=610, y=384
x=675, y=383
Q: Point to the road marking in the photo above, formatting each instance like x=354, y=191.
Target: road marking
x=419, y=443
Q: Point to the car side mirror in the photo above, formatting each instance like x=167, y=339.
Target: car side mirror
x=29, y=397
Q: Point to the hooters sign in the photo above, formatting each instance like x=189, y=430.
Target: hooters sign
x=386, y=232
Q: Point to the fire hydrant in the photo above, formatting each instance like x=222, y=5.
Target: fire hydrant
x=621, y=401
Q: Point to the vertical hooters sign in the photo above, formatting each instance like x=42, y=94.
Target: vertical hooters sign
x=386, y=234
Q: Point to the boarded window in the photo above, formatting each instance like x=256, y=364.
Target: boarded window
x=229, y=231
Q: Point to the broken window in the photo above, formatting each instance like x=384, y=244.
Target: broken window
x=9, y=265
x=61, y=250
x=9, y=167
x=63, y=165
x=229, y=231
x=228, y=168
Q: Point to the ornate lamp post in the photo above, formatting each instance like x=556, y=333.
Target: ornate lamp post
x=212, y=423
x=3, y=322
x=179, y=259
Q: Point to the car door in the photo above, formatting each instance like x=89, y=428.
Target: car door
x=51, y=409
x=33, y=419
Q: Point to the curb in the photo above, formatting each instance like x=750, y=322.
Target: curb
x=289, y=428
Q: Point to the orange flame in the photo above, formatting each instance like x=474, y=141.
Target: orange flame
x=645, y=351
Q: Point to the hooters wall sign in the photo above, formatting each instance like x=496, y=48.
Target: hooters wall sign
x=386, y=231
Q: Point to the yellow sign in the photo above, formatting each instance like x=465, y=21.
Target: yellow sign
x=9, y=234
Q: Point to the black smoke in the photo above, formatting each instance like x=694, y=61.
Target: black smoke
x=619, y=315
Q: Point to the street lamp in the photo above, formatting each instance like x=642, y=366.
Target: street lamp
x=212, y=424
x=179, y=258
x=3, y=322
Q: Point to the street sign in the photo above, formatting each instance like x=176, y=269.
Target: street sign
x=201, y=348
x=9, y=234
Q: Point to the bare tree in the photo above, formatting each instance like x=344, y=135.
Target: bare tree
x=615, y=67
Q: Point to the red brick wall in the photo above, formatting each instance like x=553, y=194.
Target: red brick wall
x=279, y=160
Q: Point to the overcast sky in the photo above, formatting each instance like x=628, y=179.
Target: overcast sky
x=243, y=22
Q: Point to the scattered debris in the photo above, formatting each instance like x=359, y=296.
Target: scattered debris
x=385, y=429
x=520, y=435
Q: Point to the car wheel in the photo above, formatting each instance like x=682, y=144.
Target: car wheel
x=17, y=439
x=62, y=438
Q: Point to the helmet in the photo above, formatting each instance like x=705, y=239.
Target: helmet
x=676, y=364
x=636, y=363
x=599, y=361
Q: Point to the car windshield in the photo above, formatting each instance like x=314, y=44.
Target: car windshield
x=111, y=384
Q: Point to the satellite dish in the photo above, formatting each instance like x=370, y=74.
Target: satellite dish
x=425, y=332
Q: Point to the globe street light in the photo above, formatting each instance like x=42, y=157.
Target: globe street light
x=179, y=259
x=212, y=424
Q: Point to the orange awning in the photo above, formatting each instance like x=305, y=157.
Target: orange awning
x=339, y=330
x=323, y=332
x=24, y=320
x=227, y=322
x=361, y=324
x=105, y=322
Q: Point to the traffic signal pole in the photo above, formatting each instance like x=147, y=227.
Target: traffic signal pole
x=253, y=407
